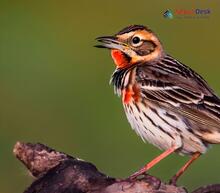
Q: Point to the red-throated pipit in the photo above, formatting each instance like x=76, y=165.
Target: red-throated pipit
x=167, y=103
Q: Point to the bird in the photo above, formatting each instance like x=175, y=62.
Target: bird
x=166, y=102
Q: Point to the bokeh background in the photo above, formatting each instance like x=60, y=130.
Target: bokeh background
x=54, y=84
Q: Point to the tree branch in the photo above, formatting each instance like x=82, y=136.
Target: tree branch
x=57, y=172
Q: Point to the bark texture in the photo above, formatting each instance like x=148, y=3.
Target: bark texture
x=57, y=172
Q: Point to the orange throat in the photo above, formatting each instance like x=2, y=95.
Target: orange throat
x=132, y=91
x=119, y=58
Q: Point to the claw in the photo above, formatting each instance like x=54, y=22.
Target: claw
x=173, y=181
x=142, y=171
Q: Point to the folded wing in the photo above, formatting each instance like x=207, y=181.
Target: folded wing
x=179, y=88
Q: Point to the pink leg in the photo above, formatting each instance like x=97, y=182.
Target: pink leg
x=153, y=162
x=183, y=169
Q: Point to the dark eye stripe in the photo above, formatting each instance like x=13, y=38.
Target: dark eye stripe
x=146, y=48
x=149, y=41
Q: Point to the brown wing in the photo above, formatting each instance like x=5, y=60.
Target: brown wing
x=171, y=83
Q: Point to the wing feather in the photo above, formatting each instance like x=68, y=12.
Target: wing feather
x=184, y=91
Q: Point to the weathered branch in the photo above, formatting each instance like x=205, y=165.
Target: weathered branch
x=57, y=172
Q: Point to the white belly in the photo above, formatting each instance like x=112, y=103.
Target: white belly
x=161, y=128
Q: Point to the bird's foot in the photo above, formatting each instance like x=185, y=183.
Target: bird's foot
x=173, y=180
x=141, y=172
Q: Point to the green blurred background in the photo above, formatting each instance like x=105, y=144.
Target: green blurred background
x=54, y=84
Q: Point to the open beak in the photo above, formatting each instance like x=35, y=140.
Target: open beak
x=111, y=42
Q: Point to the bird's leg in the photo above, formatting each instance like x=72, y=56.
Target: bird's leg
x=153, y=162
x=183, y=169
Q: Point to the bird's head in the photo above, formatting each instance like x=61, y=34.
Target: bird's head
x=132, y=45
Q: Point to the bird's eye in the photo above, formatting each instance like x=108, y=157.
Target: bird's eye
x=136, y=41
